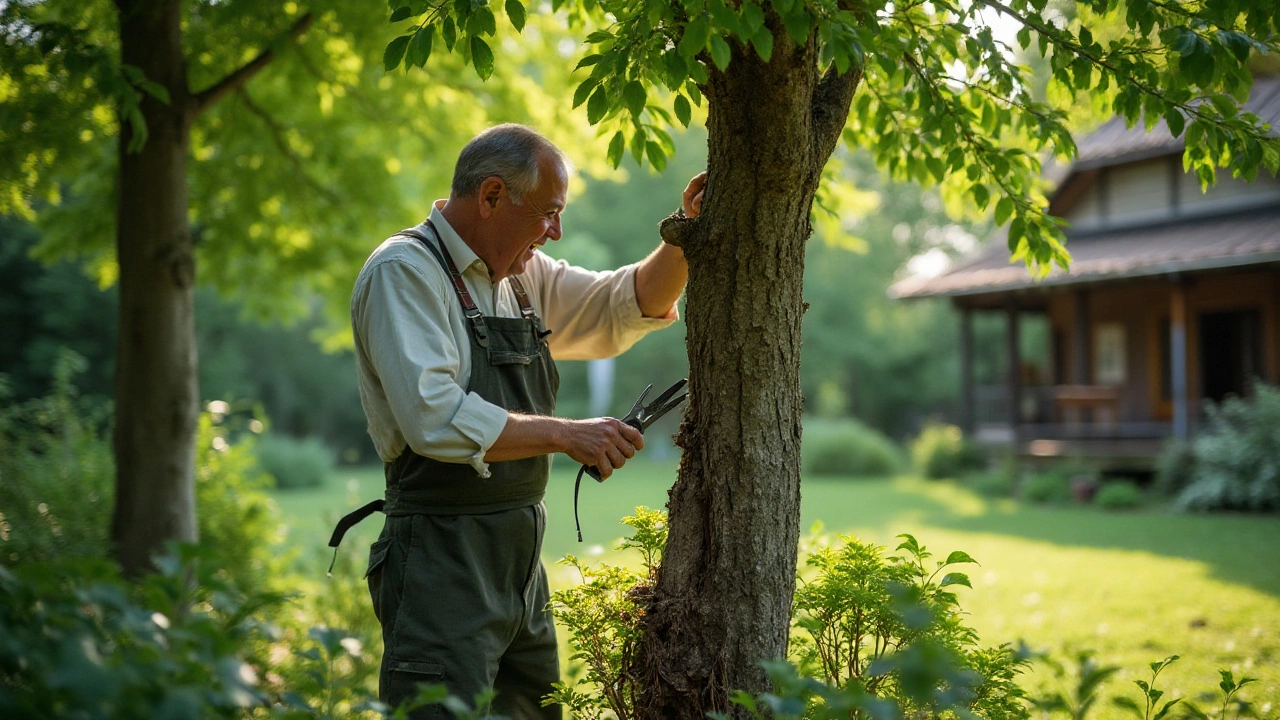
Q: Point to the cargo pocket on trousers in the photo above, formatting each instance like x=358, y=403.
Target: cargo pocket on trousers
x=377, y=561
x=403, y=681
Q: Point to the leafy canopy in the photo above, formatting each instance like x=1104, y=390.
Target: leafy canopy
x=943, y=97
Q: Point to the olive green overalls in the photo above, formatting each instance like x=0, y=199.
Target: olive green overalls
x=456, y=576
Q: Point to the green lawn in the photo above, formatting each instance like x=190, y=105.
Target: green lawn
x=1135, y=587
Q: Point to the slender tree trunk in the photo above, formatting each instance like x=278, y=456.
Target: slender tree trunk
x=156, y=395
x=722, y=602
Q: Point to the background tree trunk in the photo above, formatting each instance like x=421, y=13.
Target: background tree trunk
x=156, y=394
x=722, y=602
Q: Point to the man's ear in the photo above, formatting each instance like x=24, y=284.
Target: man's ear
x=492, y=191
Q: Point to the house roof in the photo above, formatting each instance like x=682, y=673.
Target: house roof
x=1185, y=246
x=1113, y=143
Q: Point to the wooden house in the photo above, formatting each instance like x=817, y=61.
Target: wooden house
x=1172, y=300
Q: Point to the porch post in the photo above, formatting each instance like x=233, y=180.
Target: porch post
x=1014, y=381
x=1178, y=359
x=1081, y=369
x=968, y=420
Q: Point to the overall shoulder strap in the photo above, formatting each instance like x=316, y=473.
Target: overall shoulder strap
x=441, y=254
x=522, y=297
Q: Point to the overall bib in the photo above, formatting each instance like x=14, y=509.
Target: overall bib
x=456, y=577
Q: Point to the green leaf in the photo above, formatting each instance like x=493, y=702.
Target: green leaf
x=483, y=22
x=752, y=17
x=516, y=13
x=481, y=57
x=597, y=106
x=1024, y=37
x=762, y=41
x=394, y=53
x=588, y=61
x=683, y=112
x=637, y=145
x=959, y=556
x=676, y=69
x=616, y=147
x=635, y=97
x=449, y=33
x=401, y=14
x=656, y=157
x=981, y=196
x=955, y=579
x=420, y=46
x=696, y=34
x=720, y=52
x=598, y=37
x=797, y=25
x=584, y=91
x=1174, y=119
x=1004, y=208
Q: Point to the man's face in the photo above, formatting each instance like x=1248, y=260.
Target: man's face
x=527, y=226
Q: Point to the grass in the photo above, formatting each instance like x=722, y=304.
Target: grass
x=1134, y=587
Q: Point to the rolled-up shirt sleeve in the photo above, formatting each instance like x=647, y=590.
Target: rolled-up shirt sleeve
x=402, y=324
x=592, y=314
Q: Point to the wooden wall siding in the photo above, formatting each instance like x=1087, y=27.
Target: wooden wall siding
x=1227, y=194
x=1156, y=190
x=1141, y=306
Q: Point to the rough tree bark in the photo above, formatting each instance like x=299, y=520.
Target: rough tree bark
x=155, y=387
x=722, y=601
x=156, y=395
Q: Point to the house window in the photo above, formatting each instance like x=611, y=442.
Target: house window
x=1109, y=356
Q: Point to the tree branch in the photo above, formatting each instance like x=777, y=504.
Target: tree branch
x=831, y=101
x=277, y=133
x=204, y=99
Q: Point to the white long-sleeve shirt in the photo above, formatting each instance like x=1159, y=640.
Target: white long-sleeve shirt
x=413, y=352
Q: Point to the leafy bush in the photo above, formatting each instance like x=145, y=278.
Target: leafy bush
x=79, y=643
x=1118, y=495
x=1047, y=486
x=942, y=451
x=602, y=615
x=1173, y=469
x=889, y=628
x=872, y=632
x=294, y=463
x=56, y=473
x=1237, y=460
x=847, y=447
x=998, y=483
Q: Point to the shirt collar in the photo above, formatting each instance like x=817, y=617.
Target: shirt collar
x=463, y=256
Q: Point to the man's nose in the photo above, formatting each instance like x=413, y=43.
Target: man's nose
x=554, y=231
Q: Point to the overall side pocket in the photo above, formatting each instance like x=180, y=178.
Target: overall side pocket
x=377, y=564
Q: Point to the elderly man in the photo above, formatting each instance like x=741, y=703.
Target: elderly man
x=456, y=322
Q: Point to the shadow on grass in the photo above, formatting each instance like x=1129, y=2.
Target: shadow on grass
x=1241, y=549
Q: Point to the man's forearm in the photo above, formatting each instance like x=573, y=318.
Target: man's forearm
x=660, y=279
x=528, y=436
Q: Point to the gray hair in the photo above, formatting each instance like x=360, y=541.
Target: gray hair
x=509, y=151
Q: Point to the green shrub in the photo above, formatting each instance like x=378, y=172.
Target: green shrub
x=942, y=451
x=1118, y=495
x=1173, y=469
x=993, y=484
x=847, y=447
x=294, y=463
x=1047, y=486
x=1237, y=459
x=56, y=473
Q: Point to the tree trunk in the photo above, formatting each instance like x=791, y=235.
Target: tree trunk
x=722, y=601
x=156, y=395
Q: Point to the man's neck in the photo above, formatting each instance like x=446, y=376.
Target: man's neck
x=465, y=224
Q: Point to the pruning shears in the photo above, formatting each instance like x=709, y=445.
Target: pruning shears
x=642, y=415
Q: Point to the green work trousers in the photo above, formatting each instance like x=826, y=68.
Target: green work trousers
x=462, y=600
